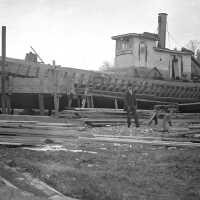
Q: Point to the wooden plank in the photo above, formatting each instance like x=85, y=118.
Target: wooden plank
x=166, y=137
x=11, y=143
x=39, y=126
x=142, y=141
x=36, y=186
x=26, y=132
x=197, y=126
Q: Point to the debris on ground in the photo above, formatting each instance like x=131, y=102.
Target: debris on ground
x=108, y=162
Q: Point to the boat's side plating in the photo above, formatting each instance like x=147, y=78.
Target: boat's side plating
x=26, y=80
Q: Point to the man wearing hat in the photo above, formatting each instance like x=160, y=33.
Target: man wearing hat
x=131, y=105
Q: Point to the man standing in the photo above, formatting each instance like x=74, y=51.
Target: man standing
x=131, y=106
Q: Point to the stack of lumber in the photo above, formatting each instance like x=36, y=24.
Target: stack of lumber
x=36, y=132
x=38, y=118
x=137, y=140
x=102, y=116
x=186, y=115
x=103, y=113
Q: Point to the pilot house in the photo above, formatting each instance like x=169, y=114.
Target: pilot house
x=148, y=50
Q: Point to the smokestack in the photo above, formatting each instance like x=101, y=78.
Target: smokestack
x=162, y=22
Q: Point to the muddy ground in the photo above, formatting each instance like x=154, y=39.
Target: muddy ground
x=112, y=171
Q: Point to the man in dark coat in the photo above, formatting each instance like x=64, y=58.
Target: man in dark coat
x=131, y=106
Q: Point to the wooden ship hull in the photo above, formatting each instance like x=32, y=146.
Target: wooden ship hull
x=161, y=76
x=35, y=86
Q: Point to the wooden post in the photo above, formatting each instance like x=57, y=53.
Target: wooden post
x=9, y=93
x=85, y=99
x=83, y=102
x=41, y=95
x=56, y=98
x=56, y=104
x=41, y=103
x=3, y=72
x=88, y=101
x=116, y=104
x=79, y=101
x=92, y=101
x=8, y=104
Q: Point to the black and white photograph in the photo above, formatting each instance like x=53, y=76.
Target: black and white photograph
x=99, y=100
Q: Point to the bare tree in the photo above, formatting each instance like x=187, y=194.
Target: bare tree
x=198, y=55
x=194, y=45
x=106, y=66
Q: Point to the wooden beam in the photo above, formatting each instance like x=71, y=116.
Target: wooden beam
x=3, y=75
x=141, y=141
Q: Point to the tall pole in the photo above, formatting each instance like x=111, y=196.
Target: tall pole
x=56, y=97
x=3, y=72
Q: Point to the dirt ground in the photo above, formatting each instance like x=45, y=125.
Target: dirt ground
x=111, y=171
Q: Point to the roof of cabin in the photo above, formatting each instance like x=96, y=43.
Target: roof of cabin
x=173, y=51
x=152, y=36
x=145, y=35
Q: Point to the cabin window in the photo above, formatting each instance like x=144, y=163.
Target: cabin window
x=123, y=43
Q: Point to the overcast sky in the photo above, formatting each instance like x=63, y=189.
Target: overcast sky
x=77, y=33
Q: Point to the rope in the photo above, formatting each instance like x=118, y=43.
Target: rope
x=175, y=41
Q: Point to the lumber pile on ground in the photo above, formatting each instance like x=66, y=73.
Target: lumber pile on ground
x=102, y=116
x=144, y=141
x=186, y=116
x=32, y=132
x=37, y=118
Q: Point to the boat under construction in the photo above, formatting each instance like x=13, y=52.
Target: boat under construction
x=159, y=75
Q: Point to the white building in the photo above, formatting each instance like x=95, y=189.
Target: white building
x=148, y=50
